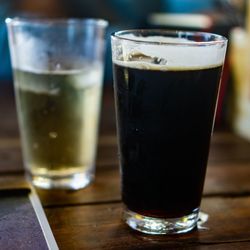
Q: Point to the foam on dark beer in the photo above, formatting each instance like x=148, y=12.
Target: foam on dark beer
x=178, y=53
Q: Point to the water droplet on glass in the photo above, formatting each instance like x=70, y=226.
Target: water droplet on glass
x=58, y=66
x=53, y=135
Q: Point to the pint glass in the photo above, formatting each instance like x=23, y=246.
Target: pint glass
x=58, y=69
x=166, y=86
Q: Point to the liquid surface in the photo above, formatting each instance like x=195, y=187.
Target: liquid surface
x=58, y=118
x=165, y=120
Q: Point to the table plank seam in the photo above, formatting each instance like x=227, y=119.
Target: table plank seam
x=95, y=203
x=13, y=173
x=227, y=195
x=221, y=242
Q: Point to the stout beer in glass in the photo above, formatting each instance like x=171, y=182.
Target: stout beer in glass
x=166, y=88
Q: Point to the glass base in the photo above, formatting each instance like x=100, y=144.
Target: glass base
x=69, y=182
x=150, y=225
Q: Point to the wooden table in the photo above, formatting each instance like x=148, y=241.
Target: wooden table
x=91, y=218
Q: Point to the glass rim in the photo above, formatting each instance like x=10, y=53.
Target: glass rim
x=19, y=21
x=165, y=32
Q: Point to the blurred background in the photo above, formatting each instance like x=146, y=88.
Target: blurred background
x=225, y=17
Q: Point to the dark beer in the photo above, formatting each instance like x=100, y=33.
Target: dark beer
x=165, y=119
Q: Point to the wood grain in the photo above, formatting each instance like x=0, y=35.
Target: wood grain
x=100, y=227
x=106, y=188
x=91, y=218
x=230, y=180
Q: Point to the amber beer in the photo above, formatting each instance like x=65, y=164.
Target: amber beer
x=58, y=117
